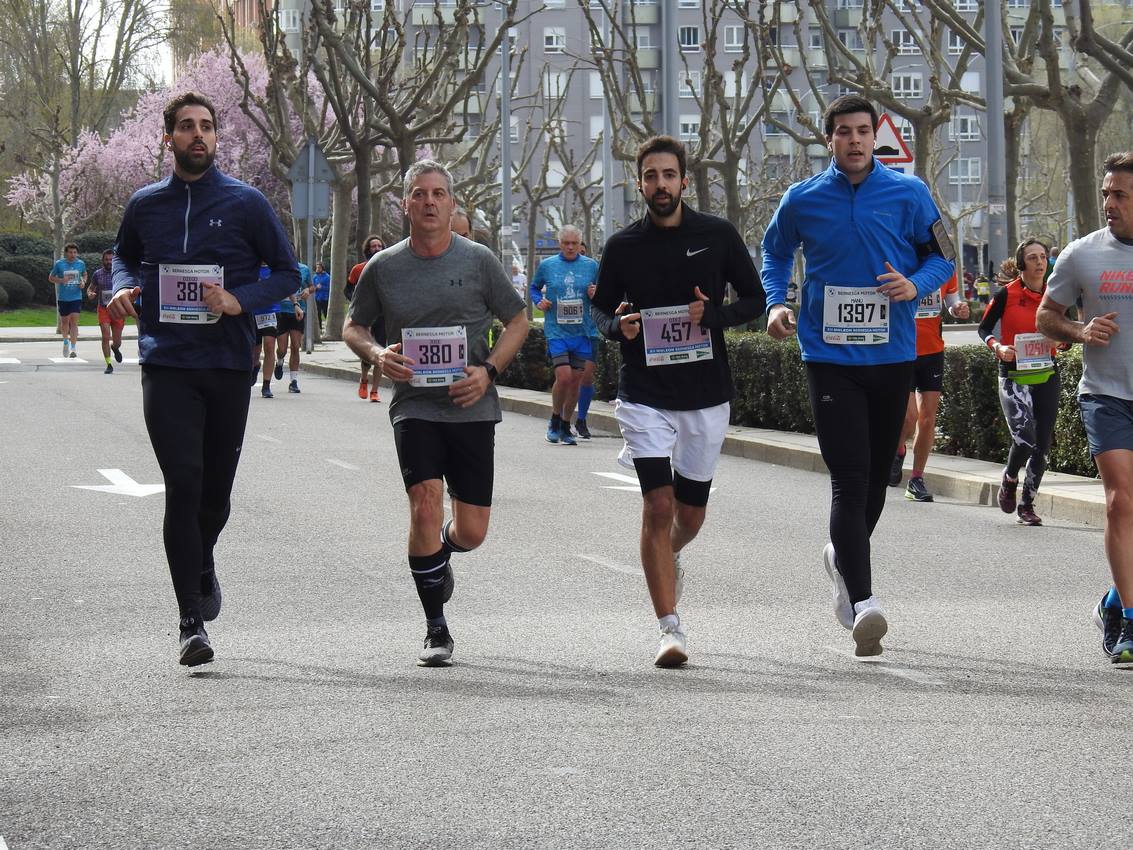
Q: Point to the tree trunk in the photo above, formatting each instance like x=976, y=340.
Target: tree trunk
x=341, y=254
x=1013, y=132
x=1081, y=146
x=362, y=181
x=702, y=187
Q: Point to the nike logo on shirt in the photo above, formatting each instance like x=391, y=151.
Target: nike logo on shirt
x=692, y=253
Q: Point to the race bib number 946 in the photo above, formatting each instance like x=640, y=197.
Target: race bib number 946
x=855, y=315
x=439, y=354
x=182, y=292
x=671, y=337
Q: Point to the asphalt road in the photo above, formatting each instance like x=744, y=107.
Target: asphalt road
x=992, y=720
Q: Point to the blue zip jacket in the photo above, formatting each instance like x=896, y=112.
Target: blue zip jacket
x=847, y=236
x=215, y=220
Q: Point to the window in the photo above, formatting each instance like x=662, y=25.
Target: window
x=690, y=128
x=688, y=4
x=597, y=92
x=554, y=84
x=964, y=128
x=514, y=134
x=771, y=129
x=966, y=5
x=852, y=39
x=642, y=38
x=689, y=39
x=733, y=38
x=554, y=4
x=966, y=170
x=905, y=43
x=289, y=20
x=970, y=82
x=773, y=35
x=955, y=44
x=906, y=131
x=554, y=39
x=731, y=89
x=815, y=41
x=689, y=83
x=1018, y=4
x=597, y=122
x=908, y=86
x=849, y=4
x=556, y=177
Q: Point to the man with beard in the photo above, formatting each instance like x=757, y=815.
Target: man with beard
x=100, y=289
x=660, y=294
x=186, y=267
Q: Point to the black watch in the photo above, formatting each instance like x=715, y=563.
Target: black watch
x=492, y=371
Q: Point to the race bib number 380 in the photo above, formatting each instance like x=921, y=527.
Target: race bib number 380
x=439, y=354
x=671, y=337
x=182, y=292
x=855, y=315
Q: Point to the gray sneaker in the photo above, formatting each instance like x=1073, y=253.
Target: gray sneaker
x=870, y=627
x=195, y=646
x=210, y=596
x=438, y=648
x=843, y=610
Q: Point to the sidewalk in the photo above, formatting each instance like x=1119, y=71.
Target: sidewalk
x=47, y=334
x=1063, y=498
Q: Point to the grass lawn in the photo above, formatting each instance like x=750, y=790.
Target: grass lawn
x=39, y=317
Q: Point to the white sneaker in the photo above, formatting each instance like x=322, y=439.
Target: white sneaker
x=869, y=627
x=843, y=610
x=673, y=651
x=680, y=576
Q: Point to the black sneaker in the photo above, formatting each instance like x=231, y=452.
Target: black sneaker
x=195, y=646
x=266, y=392
x=293, y=387
x=438, y=648
x=1123, y=649
x=895, y=470
x=1109, y=621
x=109, y=370
x=279, y=370
x=916, y=490
x=116, y=350
x=583, y=431
x=210, y=596
x=1006, y=495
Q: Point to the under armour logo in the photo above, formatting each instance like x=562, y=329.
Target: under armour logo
x=216, y=222
x=457, y=282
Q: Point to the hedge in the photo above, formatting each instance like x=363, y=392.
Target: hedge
x=33, y=269
x=22, y=244
x=94, y=242
x=771, y=392
x=17, y=291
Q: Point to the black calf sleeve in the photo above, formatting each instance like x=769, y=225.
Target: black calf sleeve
x=429, y=576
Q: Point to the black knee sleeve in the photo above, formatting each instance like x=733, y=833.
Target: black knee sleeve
x=653, y=472
x=689, y=492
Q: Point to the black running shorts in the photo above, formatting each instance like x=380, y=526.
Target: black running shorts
x=461, y=453
x=928, y=373
x=288, y=322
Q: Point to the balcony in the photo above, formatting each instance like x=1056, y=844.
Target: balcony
x=643, y=103
x=425, y=14
x=648, y=58
x=642, y=14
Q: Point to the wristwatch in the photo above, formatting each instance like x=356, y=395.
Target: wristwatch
x=492, y=371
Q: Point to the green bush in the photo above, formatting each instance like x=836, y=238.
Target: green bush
x=94, y=242
x=1071, y=451
x=33, y=269
x=22, y=244
x=3, y=298
x=17, y=291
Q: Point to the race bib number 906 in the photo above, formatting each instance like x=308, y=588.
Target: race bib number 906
x=439, y=354
x=855, y=315
x=182, y=292
x=671, y=337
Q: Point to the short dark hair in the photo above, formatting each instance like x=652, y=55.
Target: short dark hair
x=189, y=98
x=1023, y=246
x=662, y=144
x=1119, y=162
x=107, y=251
x=845, y=105
x=69, y=246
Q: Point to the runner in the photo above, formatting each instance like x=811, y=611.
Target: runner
x=372, y=245
x=100, y=290
x=660, y=294
x=874, y=245
x=1029, y=382
x=321, y=280
x=69, y=275
x=1098, y=270
x=192, y=244
x=460, y=223
x=289, y=337
x=928, y=381
x=267, y=329
x=445, y=407
x=559, y=289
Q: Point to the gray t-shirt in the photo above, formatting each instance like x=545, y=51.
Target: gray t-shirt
x=466, y=285
x=1098, y=268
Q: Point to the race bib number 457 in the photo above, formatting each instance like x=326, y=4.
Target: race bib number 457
x=671, y=337
x=439, y=354
x=855, y=315
x=182, y=292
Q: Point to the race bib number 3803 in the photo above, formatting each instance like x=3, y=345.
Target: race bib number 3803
x=855, y=315
x=182, y=292
x=439, y=354
x=671, y=337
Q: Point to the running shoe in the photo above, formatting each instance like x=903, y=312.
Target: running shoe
x=438, y=648
x=279, y=370
x=673, y=651
x=1027, y=516
x=73, y=354
x=916, y=491
x=374, y=394
x=680, y=576
x=109, y=370
x=255, y=374
x=449, y=585
x=363, y=389
x=869, y=627
x=895, y=470
x=552, y=434
x=565, y=437
x=583, y=431
x=1006, y=495
x=116, y=350
x=266, y=392
x=195, y=646
x=1123, y=649
x=1109, y=621
x=843, y=610
x=210, y=596
x=293, y=387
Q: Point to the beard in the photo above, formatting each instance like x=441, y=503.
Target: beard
x=194, y=163
x=665, y=207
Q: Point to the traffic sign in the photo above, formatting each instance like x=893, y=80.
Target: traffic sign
x=888, y=146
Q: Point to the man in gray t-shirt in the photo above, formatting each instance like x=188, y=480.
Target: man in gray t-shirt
x=1098, y=270
x=439, y=293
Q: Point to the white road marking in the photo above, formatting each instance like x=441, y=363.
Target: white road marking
x=10, y=361
x=883, y=666
x=633, y=487
x=617, y=476
x=121, y=484
x=67, y=360
x=611, y=565
x=268, y=439
x=343, y=464
x=3, y=846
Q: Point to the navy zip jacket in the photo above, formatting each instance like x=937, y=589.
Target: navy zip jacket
x=215, y=220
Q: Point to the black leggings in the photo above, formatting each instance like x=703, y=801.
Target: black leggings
x=858, y=414
x=195, y=419
x=1030, y=410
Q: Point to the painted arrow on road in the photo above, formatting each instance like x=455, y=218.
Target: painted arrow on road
x=633, y=487
x=121, y=484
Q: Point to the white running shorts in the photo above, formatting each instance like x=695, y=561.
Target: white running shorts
x=691, y=439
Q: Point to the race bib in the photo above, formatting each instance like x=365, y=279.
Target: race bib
x=104, y=297
x=439, y=354
x=569, y=311
x=929, y=306
x=855, y=315
x=181, y=290
x=1032, y=351
x=671, y=337
x=265, y=320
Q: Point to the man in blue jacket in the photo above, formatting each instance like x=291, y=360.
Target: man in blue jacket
x=874, y=246
x=186, y=266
